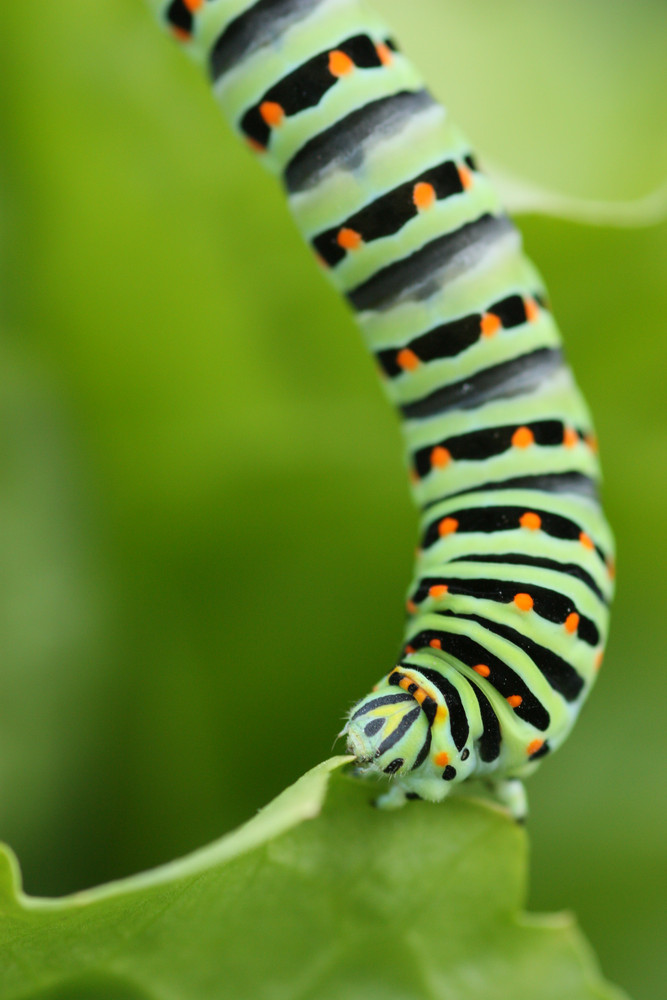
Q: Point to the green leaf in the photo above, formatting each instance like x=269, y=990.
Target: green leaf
x=524, y=197
x=317, y=897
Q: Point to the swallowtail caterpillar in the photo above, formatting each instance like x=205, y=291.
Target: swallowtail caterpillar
x=508, y=609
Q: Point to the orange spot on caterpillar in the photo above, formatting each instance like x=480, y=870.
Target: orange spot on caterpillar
x=414, y=477
x=441, y=759
x=611, y=568
x=375, y=687
x=466, y=177
x=524, y=602
x=599, y=656
x=586, y=541
x=385, y=55
x=572, y=622
x=272, y=113
x=405, y=683
x=532, y=310
x=407, y=360
x=534, y=746
x=438, y=590
x=490, y=324
x=409, y=649
x=523, y=437
x=570, y=437
x=256, y=147
x=424, y=196
x=448, y=526
x=349, y=239
x=514, y=700
x=180, y=33
x=531, y=521
x=435, y=643
x=193, y=5
x=440, y=457
x=420, y=696
x=340, y=64
x=482, y=670
x=412, y=607
x=592, y=442
x=441, y=713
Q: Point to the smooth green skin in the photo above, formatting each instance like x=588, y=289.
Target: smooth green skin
x=319, y=897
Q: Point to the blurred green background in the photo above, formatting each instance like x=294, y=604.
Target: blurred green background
x=205, y=531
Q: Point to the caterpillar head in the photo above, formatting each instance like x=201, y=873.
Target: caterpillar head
x=388, y=732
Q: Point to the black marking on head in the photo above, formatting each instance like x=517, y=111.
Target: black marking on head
x=413, y=797
x=449, y=773
x=518, y=559
x=343, y=144
x=458, y=720
x=255, y=28
x=305, y=86
x=559, y=674
x=543, y=750
x=465, y=754
x=505, y=680
x=518, y=376
x=489, y=741
x=373, y=727
x=387, y=699
x=395, y=766
x=423, y=753
x=430, y=708
x=399, y=732
x=390, y=212
x=428, y=269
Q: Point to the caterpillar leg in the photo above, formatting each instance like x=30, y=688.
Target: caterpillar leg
x=426, y=788
x=511, y=793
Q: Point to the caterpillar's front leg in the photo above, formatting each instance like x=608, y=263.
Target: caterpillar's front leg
x=511, y=793
x=422, y=788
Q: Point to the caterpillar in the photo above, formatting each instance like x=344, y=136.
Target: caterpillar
x=507, y=614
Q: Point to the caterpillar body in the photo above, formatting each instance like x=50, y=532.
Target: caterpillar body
x=508, y=610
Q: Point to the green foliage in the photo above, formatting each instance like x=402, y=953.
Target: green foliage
x=319, y=897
